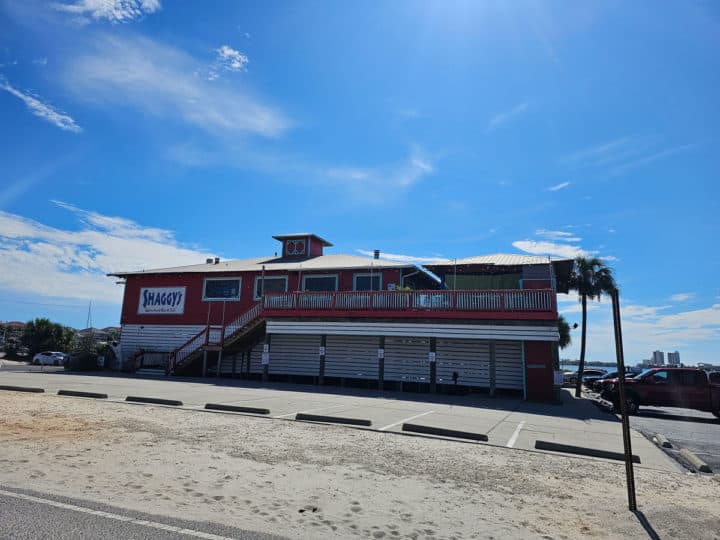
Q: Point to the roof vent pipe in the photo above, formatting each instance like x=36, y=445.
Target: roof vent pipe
x=209, y=261
x=217, y=260
x=376, y=254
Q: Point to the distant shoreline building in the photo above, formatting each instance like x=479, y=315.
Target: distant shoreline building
x=673, y=358
x=658, y=358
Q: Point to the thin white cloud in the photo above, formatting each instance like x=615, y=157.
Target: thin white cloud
x=402, y=258
x=227, y=59
x=47, y=261
x=402, y=175
x=162, y=81
x=623, y=154
x=682, y=297
x=42, y=110
x=544, y=247
x=558, y=187
x=563, y=236
x=40, y=61
x=505, y=117
x=114, y=11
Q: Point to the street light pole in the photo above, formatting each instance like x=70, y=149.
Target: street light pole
x=629, y=472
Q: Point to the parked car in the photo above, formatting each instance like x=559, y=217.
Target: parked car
x=670, y=387
x=592, y=375
x=607, y=380
x=570, y=378
x=49, y=358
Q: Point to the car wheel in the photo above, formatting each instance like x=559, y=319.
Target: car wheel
x=36, y=362
x=56, y=363
x=631, y=404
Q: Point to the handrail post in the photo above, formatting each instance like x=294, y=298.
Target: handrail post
x=502, y=301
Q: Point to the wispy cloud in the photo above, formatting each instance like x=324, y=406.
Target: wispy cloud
x=227, y=59
x=505, y=117
x=42, y=110
x=544, y=247
x=114, y=11
x=40, y=61
x=47, y=261
x=682, y=297
x=161, y=80
x=623, y=154
x=402, y=258
x=558, y=187
x=563, y=236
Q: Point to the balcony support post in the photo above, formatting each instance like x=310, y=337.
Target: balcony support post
x=492, y=368
x=321, y=373
x=381, y=363
x=433, y=365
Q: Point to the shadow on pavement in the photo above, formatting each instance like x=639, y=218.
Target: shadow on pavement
x=569, y=407
x=670, y=416
x=646, y=525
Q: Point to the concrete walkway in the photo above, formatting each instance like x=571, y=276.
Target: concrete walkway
x=507, y=422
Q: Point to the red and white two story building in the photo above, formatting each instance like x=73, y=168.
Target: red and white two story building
x=485, y=322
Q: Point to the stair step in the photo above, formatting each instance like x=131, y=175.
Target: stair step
x=153, y=372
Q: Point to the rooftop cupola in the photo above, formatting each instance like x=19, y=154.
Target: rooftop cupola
x=301, y=245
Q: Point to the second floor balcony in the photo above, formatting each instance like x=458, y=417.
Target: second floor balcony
x=457, y=304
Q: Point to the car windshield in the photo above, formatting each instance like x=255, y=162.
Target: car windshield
x=642, y=373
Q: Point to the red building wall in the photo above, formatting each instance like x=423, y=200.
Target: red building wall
x=197, y=310
x=539, y=370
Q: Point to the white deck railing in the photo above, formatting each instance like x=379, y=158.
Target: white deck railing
x=542, y=300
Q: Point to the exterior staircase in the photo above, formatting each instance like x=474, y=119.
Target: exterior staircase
x=215, y=337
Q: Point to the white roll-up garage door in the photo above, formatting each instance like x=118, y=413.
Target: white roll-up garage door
x=256, y=359
x=294, y=354
x=508, y=365
x=406, y=359
x=469, y=358
x=351, y=357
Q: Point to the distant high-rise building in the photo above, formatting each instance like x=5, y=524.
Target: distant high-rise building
x=658, y=358
x=674, y=358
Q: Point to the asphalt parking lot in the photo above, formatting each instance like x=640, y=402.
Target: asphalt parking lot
x=507, y=422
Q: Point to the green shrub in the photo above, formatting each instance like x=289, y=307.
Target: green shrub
x=82, y=361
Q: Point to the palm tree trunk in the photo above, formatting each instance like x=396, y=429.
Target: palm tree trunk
x=581, y=366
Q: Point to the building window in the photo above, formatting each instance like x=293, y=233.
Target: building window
x=320, y=283
x=272, y=284
x=221, y=289
x=367, y=282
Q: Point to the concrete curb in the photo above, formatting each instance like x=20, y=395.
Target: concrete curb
x=581, y=450
x=662, y=441
x=333, y=419
x=695, y=461
x=235, y=408
x=77, y=393
x=22, y=389
x=430, y=430
x=157, y=401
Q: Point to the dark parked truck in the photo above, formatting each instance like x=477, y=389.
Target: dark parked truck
x=667, y=387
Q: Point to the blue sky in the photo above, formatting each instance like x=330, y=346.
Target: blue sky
x=137, y=134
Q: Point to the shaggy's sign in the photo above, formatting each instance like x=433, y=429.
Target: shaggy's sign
x=161, y=301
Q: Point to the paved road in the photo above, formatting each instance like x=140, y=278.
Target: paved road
x=508, y=422
x=697, y=431
x=34, y=516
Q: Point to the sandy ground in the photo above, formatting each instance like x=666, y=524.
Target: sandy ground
x=315, y=481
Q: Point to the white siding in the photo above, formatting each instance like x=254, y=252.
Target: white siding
x=226, y=364
x=294, y=355
x=439, y=330
x=508, y=365
x=256, y=359
x=470, y=358
x=406, y=359
x=351, y=357
x=155, y=337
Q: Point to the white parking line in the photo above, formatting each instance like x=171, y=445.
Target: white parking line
x=405, y=420
x=311, y=410
x=515, y=434
x=116, y=517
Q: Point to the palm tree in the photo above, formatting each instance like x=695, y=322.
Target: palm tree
x=564, y=330
x=591, y=278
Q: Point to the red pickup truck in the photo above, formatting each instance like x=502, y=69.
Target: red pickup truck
x=669, y=387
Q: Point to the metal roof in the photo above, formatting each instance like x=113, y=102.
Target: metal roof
x=499, y=259
x=282, y=237
x=272, y=264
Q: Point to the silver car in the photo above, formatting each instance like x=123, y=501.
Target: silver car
x=49, y=358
